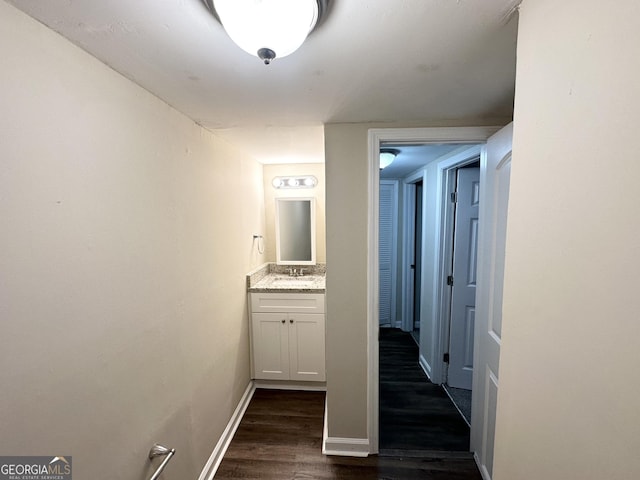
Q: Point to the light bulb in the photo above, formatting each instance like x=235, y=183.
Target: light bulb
x=276, y=28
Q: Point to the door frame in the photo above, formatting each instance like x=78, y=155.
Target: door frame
x=471, y=135
x=408, y=237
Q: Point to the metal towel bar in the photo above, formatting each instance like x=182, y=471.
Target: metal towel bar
x=159, y=451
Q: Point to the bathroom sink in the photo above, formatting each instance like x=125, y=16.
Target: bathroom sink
x=286, y=282
x=292, y=282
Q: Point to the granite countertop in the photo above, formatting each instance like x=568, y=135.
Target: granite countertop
x=271, y=278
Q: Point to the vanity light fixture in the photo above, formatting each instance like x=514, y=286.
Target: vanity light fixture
x=269, y=29
x=303, y=181
x=387, y=156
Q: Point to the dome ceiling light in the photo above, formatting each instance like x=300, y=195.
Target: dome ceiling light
x=269, y=29
x=387, y=156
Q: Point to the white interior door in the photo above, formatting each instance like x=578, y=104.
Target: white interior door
x=387, y=251
x=494, y=200
x=463, y=294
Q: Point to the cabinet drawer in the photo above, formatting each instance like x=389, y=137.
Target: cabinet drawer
x=287, y=302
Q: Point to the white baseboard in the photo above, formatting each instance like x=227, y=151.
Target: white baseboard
x=211, y=467
x=483, y=470
x=426, y=368
x=345, y=447
x=291, y=385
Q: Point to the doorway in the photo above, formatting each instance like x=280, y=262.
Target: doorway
x=433, y=349
x=417, y=259
x=411, y=234
x=403, y=379
x=462, y=198
x=415, y=414
x=411, y=216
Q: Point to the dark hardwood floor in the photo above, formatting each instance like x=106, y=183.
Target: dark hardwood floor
x=280, y=437
x=415, y=414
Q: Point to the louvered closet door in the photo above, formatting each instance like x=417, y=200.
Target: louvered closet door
x=387, y=251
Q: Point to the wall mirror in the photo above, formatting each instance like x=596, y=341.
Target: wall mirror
x=295, y=231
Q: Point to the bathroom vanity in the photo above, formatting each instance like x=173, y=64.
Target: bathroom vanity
x=287, y=318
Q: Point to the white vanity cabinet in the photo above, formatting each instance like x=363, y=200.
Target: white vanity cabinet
x=287, y=336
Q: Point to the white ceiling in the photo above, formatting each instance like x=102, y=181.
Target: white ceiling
x=412, y=157
x=385, y=60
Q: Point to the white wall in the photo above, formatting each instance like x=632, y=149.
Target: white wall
x=123, y=254
x=568, y=401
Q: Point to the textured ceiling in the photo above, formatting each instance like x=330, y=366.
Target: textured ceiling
x=384, y=60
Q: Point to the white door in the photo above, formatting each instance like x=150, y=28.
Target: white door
x=494, y=199
x=270, y=339
x=306, y=346
x=387, y=251
x=463, y=294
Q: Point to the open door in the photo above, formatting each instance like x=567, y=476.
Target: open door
x=494, y=199
x=464, y=278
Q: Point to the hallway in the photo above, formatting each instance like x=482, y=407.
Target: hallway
x=415, y=414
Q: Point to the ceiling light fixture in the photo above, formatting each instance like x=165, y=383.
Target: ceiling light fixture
x=269, y=29
x=303, y=181
x=387, y=156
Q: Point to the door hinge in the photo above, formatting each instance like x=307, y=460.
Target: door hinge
x=450, y=280
x=454, y=197
x=445, y=358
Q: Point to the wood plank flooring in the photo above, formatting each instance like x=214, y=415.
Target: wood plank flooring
x=415, y=414
x=280, y=437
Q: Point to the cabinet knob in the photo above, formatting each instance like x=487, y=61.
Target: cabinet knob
x=291, y=321
x=283, y=320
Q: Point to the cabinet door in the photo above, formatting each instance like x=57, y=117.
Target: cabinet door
x=306, y=346
x=270, y=338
